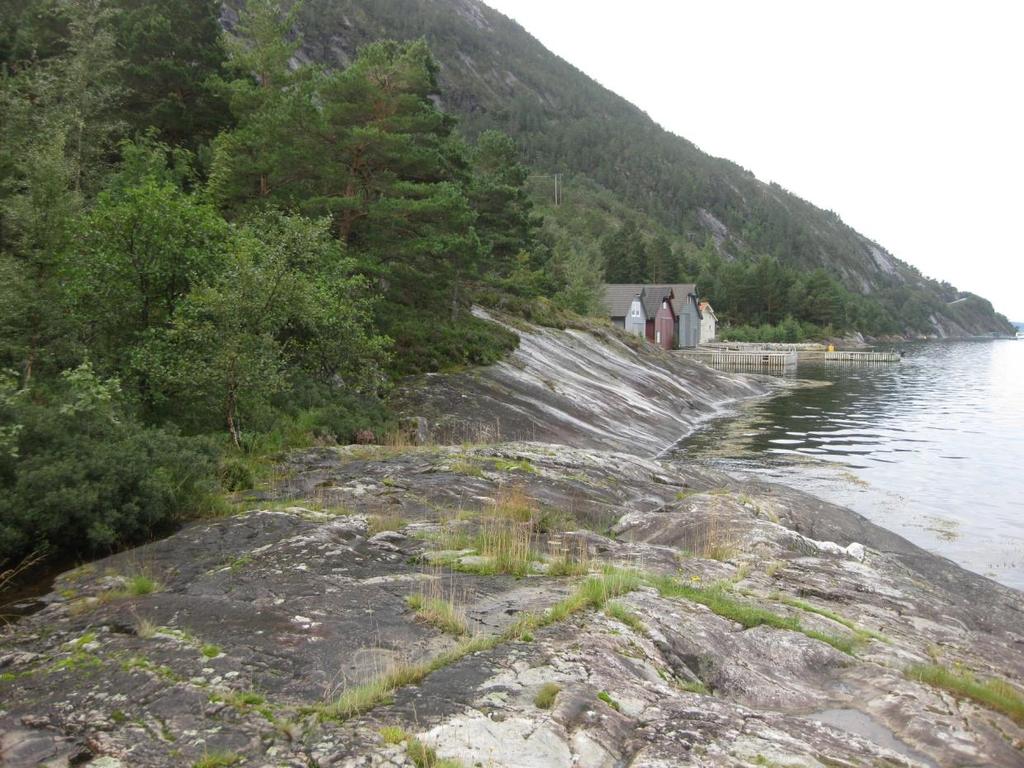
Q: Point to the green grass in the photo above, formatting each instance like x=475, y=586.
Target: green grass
x=393, y=734
x=423, y=756
x=717, y=599
x=607, y=699
x=545, y=697
x=467, y=467
x=135, y=586
x=993, y=692
x=245, y=701
x=389, y=522
x=438, y=612
x=566, y=566
x=218, y=760
x=695, y=686
x=210, y=651
x=619, y=612
x=595, y=592
x=362, y=698
x=511, y=465
x=860, y=632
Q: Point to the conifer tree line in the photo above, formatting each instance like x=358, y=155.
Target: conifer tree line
x=209, y=252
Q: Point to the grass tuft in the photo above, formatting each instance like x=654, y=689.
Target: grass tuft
x=393, y=734
x=218, y=760
x=514, y=465
x=861, y=633
x=423, y=756
x=720, y=602
x=438, y=612
x=545, y=697
x=993, y=693
x=387, y=522
x=695, y=686
x=210, y=651
x=607, y=699
x=619, y=612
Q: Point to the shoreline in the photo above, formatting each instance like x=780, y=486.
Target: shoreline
x=385, y=597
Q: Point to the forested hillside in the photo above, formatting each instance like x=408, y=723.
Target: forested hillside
x=215, y=247
x=209, y=255
x=495, y=75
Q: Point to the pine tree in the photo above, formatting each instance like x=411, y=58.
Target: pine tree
x=503, y=211
x=170, y=53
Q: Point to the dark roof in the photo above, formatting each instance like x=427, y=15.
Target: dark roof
x=653, y=296
x=619, y=297
x=682, y=290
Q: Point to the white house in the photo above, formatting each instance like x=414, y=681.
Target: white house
x=708, y=323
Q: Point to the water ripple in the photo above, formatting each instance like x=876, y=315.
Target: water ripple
x=941, y=434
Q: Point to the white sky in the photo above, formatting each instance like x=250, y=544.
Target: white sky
x=906, y=118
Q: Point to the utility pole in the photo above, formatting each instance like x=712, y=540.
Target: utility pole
x=557, y=177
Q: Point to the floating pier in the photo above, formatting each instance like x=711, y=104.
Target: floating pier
x=861, y=357
x=770, y=358
x=752, y=360
x=805, y=352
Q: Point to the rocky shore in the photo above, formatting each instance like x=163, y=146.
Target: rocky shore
x=522, y=604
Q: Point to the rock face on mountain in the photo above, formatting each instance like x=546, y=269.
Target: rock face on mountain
x=519, y=604
x=494, y=74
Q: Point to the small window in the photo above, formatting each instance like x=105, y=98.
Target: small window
x=636, y=311
x=657, y=337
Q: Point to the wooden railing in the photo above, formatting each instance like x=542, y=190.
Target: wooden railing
x=862, y=357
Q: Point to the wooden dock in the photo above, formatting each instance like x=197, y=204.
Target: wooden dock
x=750, y=354
x=776, y=362
x=862, y=357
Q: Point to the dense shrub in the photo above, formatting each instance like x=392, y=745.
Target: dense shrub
x=428, y=344
x=78, y=475
x=788, y=331
x=349, y=415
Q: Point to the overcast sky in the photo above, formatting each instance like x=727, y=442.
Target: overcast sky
x=905, y=118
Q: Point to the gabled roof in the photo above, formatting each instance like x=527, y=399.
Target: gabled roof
x=619, y=297
x=654, y=295
x=682, y=290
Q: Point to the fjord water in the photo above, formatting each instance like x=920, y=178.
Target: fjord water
x=931, y=448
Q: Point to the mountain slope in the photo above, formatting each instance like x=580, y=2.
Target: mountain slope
x=495, y=75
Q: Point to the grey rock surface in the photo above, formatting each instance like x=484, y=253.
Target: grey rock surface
x=261, y=617
x=757, y=625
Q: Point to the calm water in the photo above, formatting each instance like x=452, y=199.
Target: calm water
x=932, y=448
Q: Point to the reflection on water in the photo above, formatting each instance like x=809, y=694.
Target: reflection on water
x=932, y=447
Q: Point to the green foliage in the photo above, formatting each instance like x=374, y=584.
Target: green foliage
x=170, y=53
x=994, y=693
x=503, y=210
x=619, y=612
x=145, y=246
x=607, y=699
x=81, y=475
x=218, y=760
x=421, y=346
x=717, y=598
x=366, y=147
x=788, y=331
x=284, y=296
